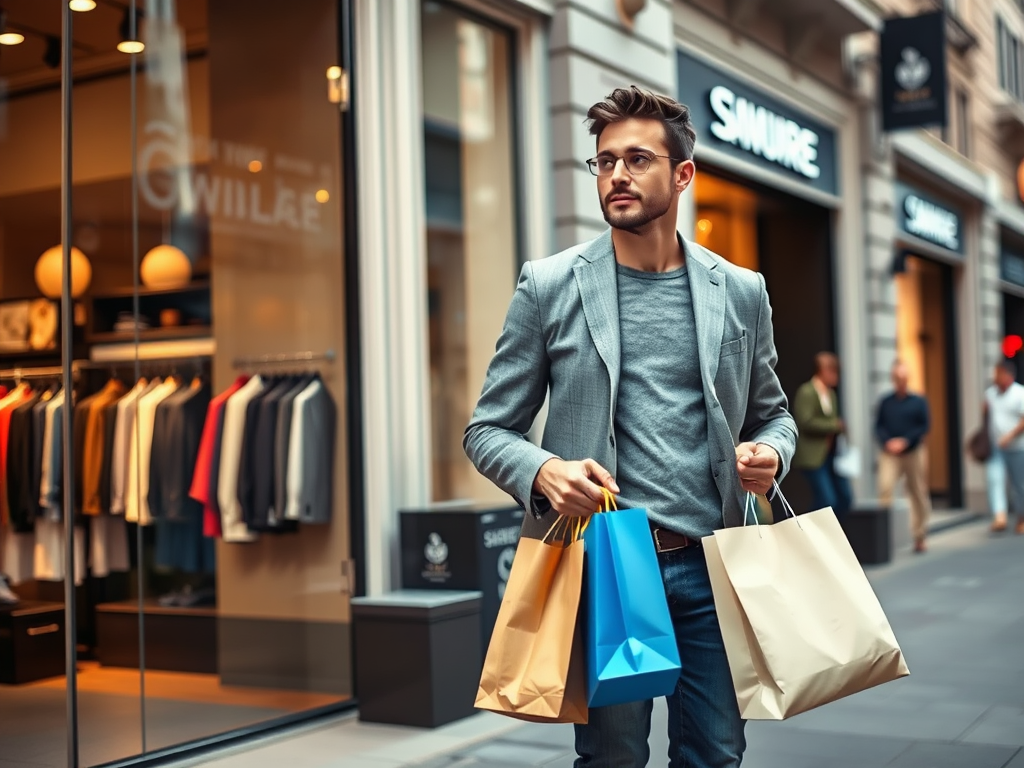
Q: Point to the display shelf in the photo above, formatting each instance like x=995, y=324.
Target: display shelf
x=191, y=303
x=153, y=334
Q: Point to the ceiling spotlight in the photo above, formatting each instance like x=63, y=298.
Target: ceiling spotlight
x=82, y=5
x=8, y=38
x=130, y=43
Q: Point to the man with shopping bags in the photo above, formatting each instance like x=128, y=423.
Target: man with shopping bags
x=656, y=358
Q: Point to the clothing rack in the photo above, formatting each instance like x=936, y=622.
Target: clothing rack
x=44, y=372
x=294, y=357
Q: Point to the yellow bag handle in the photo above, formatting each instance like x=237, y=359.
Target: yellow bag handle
x=608, y=504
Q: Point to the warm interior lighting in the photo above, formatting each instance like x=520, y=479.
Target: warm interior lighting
x=50, y=270
x=322, y=195
x=165, y=267
x=128, y=44
x=82, y=5
x=333, y=73
x=255, y=166
x=704, y=226
x=11, y=38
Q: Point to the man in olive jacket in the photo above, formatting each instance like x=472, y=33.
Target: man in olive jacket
x=816, y=410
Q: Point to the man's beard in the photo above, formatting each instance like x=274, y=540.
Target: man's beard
x=636, y=221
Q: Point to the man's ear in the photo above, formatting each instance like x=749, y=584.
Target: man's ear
x=685, y=172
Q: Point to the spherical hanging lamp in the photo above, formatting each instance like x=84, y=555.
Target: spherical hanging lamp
x=165, y=267
x=49, y=272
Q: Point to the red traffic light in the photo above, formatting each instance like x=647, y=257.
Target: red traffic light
x=1012, y=345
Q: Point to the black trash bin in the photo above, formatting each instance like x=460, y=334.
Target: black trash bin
x=869, y=530
x=462, y=548
x=417, y=656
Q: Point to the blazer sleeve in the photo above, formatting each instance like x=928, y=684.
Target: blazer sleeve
x=514, y=390
x=767, y=419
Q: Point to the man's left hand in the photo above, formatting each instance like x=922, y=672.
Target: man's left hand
x=757, y=465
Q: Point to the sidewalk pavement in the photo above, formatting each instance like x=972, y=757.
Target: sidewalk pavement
x=957, y=611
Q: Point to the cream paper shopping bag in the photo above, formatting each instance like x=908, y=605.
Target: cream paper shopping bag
x=801, y=624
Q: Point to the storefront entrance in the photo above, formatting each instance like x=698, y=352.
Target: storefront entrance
x=927, y=343
x=788, y=240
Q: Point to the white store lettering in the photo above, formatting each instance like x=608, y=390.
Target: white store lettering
x=501, y=537
x=931, y=222
x=760, y=131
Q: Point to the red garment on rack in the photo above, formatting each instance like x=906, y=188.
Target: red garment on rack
x=5, y=432
x=200, y=490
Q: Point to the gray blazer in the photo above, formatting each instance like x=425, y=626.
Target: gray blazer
x=561, y=340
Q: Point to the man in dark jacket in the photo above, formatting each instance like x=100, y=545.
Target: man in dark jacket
x=901, y=427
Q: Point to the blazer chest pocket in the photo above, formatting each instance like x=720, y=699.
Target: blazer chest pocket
x=734, y=347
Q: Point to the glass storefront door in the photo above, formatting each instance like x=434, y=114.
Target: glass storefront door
x=208, y=404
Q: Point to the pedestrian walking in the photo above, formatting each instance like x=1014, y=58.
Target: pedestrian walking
x=902, y=423
x=657, y=357
x=1004, y=405
x=816, y=410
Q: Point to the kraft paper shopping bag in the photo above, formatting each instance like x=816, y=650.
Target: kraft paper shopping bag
x=801, y=624
x=535, y=668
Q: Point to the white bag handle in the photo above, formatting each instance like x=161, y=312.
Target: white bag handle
x=785, y=503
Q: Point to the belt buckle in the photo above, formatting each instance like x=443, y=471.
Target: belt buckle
x=662, y=549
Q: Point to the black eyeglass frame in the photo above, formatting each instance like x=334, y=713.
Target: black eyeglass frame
x=592, y=162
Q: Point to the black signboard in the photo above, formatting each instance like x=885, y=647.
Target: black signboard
x=922, y=216
x=461, y=549
x=1011, y=267
x=914, y=90
x=747, y=123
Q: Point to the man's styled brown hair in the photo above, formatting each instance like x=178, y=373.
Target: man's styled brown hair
x=625, y=103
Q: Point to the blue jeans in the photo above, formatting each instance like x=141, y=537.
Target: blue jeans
x=1003, y=466
x=829, y=489
x=704, y=725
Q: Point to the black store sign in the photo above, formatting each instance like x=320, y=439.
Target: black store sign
x=1011, y=268
x=748, y=124
x=914, y=72
x=923, y=217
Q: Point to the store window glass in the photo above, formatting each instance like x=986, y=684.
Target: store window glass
x=207, y=408
x=472, y=242
x=33, y=724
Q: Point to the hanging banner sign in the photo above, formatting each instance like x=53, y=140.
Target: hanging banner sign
x=914, y=72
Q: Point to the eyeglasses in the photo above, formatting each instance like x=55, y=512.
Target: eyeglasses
x=637, y=163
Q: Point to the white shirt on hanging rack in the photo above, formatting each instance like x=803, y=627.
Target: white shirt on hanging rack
x=232, y=525
x=136, y=508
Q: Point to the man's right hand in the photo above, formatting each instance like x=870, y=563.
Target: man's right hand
x=573, y=487
x=895, y=446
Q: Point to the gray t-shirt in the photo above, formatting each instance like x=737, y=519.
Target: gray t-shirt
x=661, y=424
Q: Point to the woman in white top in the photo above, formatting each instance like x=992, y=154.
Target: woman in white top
x=1004, y=406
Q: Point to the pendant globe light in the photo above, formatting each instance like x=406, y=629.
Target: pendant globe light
x=49, y=272
x=165, y=267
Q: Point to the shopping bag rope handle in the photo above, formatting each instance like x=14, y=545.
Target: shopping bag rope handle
x=607, y=504
x=751, y=506
x=566, y=526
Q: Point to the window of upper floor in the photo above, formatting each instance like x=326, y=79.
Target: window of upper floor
x=1010, y=58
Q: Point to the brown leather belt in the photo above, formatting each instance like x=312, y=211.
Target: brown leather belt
x=669, y=541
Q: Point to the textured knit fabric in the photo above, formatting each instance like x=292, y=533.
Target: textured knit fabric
x=661, y=424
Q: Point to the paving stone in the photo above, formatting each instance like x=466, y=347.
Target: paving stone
x=939, y=755
x=1000, y=725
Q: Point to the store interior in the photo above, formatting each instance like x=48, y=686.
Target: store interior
x=208, y=342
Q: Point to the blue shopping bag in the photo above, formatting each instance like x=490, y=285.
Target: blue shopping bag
x=631, y=644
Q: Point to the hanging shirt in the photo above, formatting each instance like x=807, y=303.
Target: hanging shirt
x=282, y=442
x=51, y=481
x=21, y=502
x=200, y=488
x=176, y=435
x=94, y=443
x=108, y=545
x=124, y=427
x=136, y=507
x=311, y=456
x=16, y=398
x=233, y=525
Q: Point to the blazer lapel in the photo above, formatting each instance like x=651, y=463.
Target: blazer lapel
x=596, y=279
x=707, y=285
